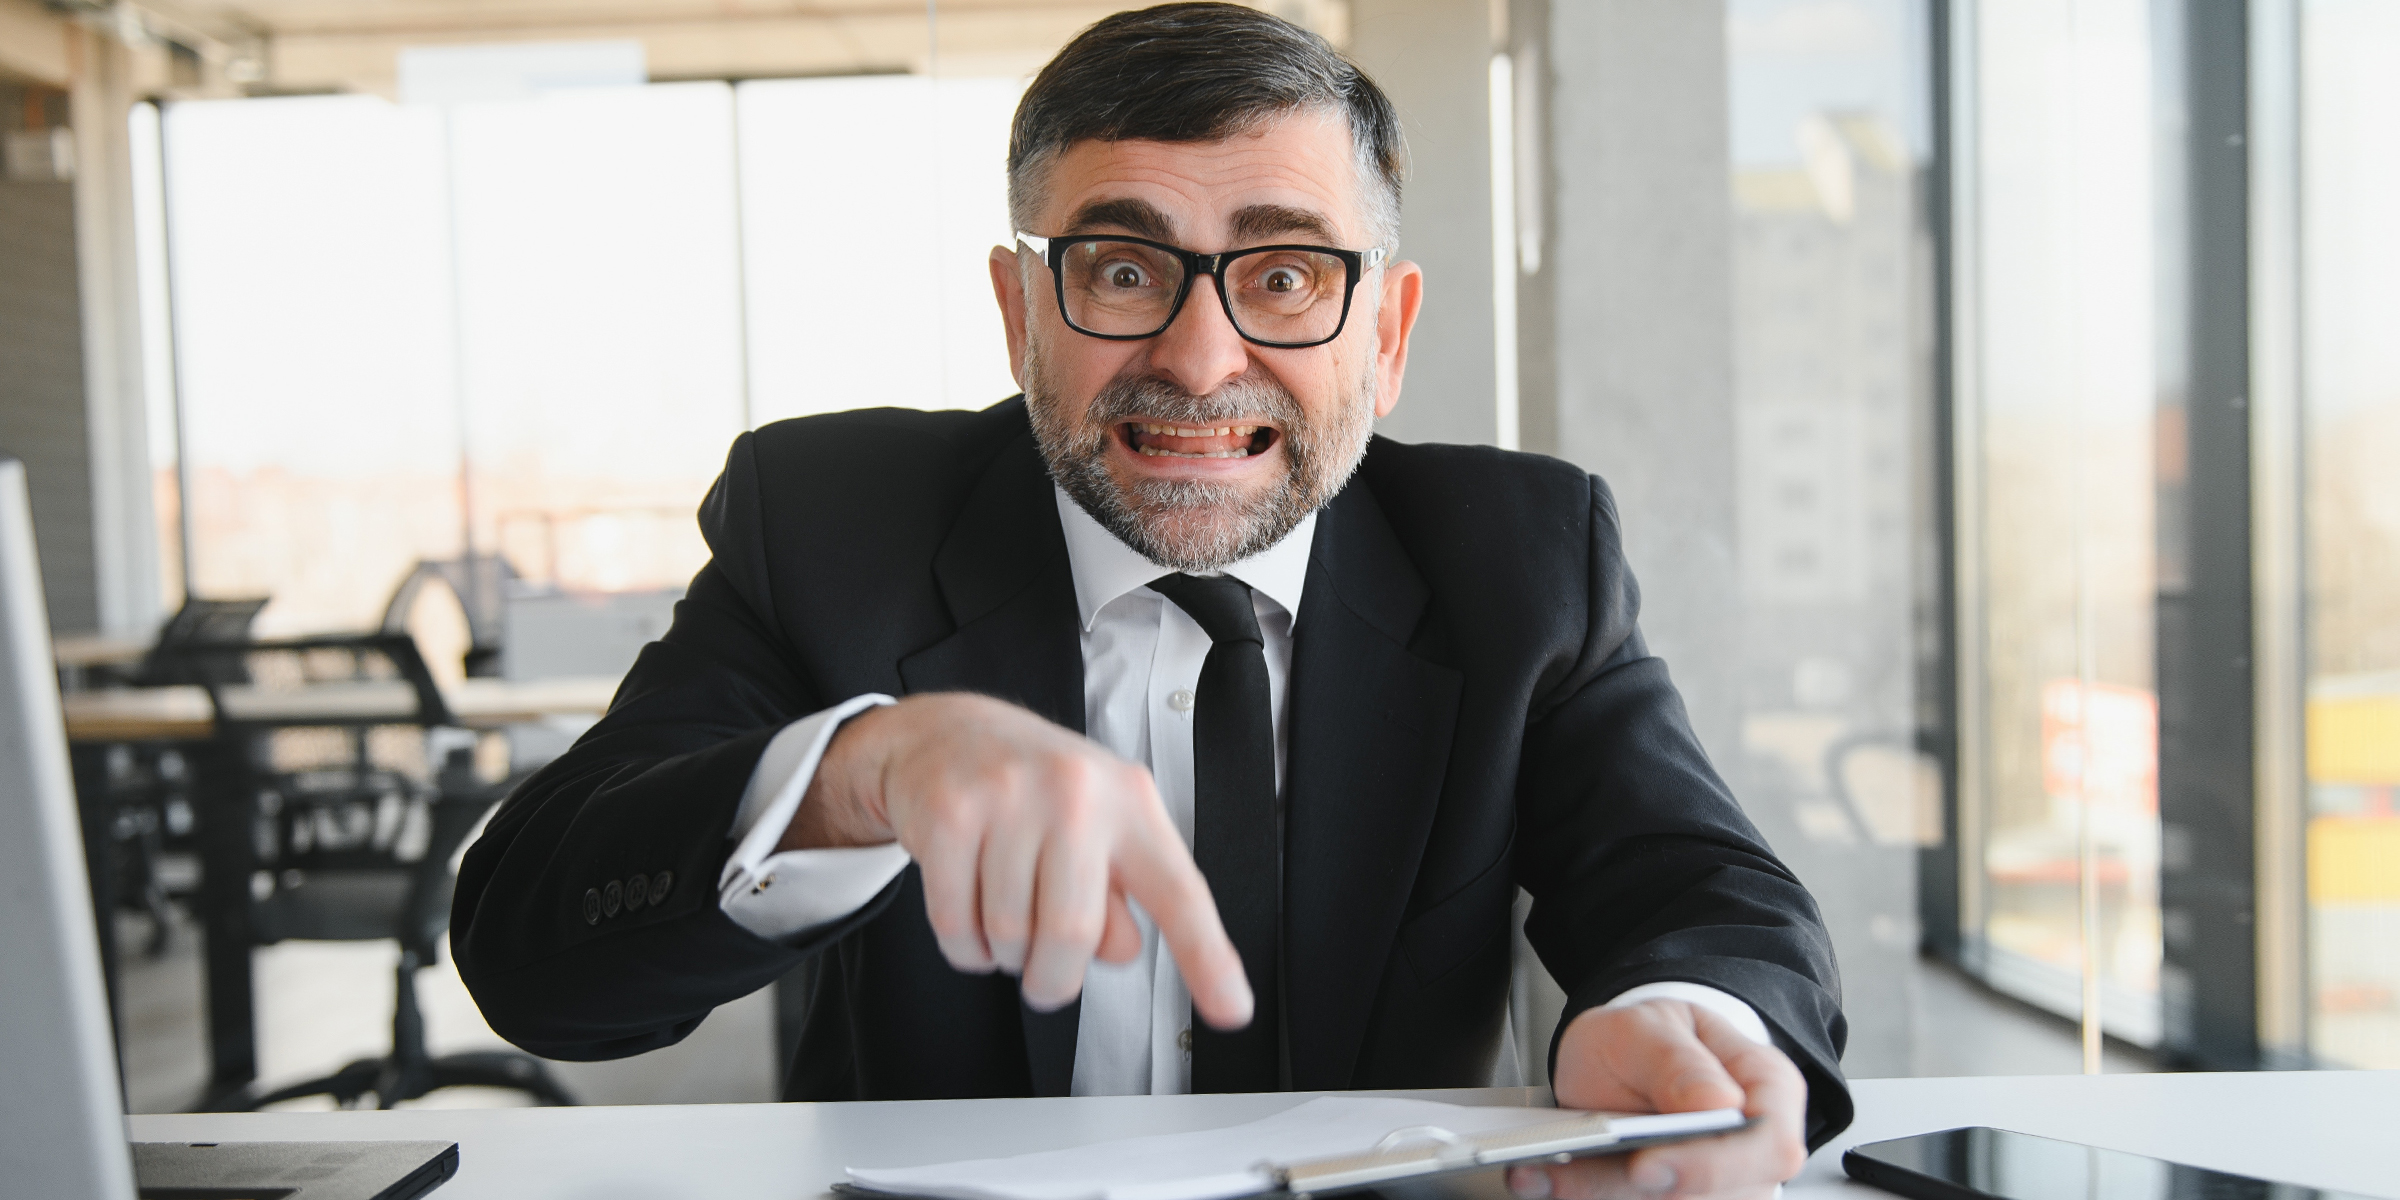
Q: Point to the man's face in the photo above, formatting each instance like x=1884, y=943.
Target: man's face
x=1131, y=429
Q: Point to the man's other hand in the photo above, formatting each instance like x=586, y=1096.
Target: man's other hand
x=1030, y=839
x=1670, y=1056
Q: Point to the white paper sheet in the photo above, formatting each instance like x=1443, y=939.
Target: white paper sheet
x=1214, y=1164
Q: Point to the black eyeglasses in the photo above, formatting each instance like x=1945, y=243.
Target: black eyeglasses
x=1128, y=288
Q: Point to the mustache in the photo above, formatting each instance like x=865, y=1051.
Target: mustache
x=1161, y=400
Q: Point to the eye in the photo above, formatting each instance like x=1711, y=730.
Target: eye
x=1283, y=279
x=1124, y=275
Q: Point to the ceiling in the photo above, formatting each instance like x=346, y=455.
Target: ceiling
x=284, y=46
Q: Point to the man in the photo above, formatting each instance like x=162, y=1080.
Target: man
x=1215, y=704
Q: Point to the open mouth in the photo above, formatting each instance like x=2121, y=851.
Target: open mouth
x=1152, y=439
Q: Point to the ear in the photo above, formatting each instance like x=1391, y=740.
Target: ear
x=1403, y=295
x=1008, y=287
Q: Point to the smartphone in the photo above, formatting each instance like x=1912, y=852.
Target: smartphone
x=1979, y=1163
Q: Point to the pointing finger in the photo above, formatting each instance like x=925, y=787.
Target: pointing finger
x=1170, y=887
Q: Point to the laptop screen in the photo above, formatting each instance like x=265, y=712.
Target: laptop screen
x=62, y=1128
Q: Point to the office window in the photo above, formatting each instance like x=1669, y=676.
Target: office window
x=1832, y=338
x=311, y=293
x=870, y=205
x=2059, y=559
x=532, y=327
x=2350, y=366
x=601, y=326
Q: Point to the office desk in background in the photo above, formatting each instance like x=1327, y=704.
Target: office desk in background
x=2323, y=1129
x=181, y=716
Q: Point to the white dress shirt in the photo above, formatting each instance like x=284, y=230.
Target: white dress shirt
x=1142, y=657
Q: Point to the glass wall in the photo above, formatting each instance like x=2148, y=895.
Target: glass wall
x=2059, y=562
x=532, y=327
x=1832, y=335
x=2350, y=338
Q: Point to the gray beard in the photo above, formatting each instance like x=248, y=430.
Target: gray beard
x=1190, y=525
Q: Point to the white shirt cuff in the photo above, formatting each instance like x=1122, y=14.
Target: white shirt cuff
x=779, y=895
x=1745, y=1019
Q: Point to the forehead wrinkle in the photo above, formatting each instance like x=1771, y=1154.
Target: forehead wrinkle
x=1128, y=213
x=1259, y=221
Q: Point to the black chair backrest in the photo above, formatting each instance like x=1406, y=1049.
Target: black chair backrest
x=312, y=682
x=481, y=587
x=200, y=622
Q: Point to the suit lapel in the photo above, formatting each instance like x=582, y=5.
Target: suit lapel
x=1003, y=572
x=1370, y=730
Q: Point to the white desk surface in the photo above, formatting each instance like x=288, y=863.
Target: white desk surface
x=2330, y=1130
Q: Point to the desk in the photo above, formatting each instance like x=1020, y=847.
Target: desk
x=181, y=714
x=79, y=655
x=96, y=721
x=99, y=650
x=2326, y=1129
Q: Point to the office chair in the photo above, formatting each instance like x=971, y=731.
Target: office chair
x=362, y=797
x=481, y=585
x=148, y=784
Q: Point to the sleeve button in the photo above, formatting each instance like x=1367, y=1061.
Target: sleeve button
x=659, y=884
x=612, y=897
x=637, y=893
x=591, y=906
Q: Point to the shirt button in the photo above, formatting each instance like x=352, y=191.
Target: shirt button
x=1182, y=701
x=1184, y=1040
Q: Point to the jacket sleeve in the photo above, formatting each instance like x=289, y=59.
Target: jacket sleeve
x=1641, y=865
x=543, y=924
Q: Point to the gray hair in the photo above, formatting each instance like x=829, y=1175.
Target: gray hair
x=1200, y=72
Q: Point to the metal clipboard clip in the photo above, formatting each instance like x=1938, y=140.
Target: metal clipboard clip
x=1428, y=1149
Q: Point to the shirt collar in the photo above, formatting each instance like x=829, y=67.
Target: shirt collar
x=1106, y=568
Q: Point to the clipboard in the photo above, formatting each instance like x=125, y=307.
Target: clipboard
x=1418, y=1153
x=1423, y=1152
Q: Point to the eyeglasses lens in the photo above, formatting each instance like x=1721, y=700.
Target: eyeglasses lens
x=1127, y=289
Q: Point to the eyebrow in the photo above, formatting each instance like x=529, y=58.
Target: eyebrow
x=1137, y=217
x=1260, y=221
x=1255, y=223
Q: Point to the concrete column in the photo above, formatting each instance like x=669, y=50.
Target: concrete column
x=1627, y=343
x=1434, y=58
x=124, y=530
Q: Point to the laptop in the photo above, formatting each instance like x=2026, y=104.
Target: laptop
x=62, y=1122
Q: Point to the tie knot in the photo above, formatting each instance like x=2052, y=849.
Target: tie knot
x=1219, y=603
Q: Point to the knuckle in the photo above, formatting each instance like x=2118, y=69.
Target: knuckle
x=1007, y=927
x=1073, y=804
x=950, y=926
x=1077, y=929
x=951, y=819
x=1072, y=773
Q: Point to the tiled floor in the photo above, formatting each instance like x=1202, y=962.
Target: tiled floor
x=322, y=1004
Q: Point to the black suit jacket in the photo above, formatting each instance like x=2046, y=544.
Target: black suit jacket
x=1471, y=711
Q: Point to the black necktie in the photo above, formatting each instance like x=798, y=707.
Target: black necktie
x=1234, y=837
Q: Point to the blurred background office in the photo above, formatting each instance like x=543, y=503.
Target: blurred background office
x=2002, y=399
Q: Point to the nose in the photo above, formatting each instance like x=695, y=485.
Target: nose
x=1200, y=349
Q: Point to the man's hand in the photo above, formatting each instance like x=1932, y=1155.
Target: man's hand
x=1670, y=1056
x=1030, y=839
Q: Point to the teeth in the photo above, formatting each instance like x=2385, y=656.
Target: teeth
x=1196, y=431
x=1155, y=452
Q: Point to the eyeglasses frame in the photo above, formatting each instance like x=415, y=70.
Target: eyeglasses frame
x=1053, y=252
